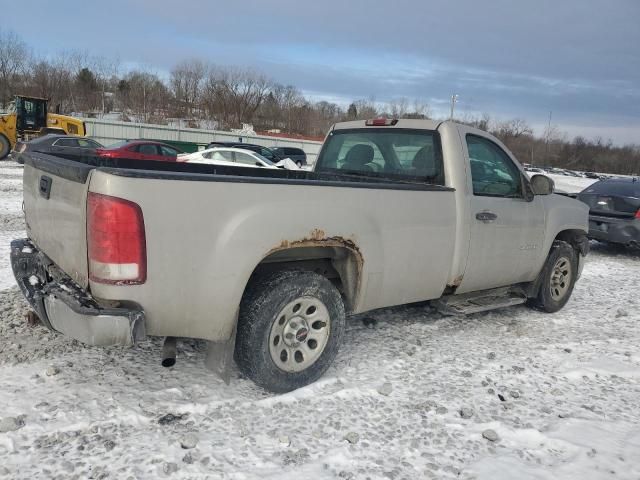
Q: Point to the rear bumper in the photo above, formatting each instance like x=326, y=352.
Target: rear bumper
x=616, y=230
x=65, y=307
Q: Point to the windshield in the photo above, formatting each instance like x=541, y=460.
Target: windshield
x=400, y=154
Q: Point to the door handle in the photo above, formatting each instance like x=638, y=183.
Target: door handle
x=486, y=216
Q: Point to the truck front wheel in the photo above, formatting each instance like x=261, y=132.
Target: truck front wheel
x=5, y=147
x=290, y=327
x=558, y=278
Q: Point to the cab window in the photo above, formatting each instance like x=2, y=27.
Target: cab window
x=493, y=173
x=401, y=154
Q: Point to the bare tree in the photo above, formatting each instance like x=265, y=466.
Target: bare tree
x=404, y=108
x=186, y=84
x=50, y=79
x=362, y=109
x=14, y=58
x=143, y=95
x=234, y=94
x=106, y=75
x=514, y=128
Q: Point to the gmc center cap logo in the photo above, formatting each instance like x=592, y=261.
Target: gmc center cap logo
x=301, y=335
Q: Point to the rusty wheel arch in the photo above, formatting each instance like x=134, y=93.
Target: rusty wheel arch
x=343, y=254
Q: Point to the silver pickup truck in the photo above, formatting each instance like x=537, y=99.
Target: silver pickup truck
x=266, y=264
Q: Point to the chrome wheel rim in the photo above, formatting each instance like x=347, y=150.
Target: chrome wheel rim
x=299, y=334
x=560, y=278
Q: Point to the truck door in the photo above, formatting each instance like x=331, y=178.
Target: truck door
x=507, y=220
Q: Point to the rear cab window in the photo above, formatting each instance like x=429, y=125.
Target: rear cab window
x=396, y=154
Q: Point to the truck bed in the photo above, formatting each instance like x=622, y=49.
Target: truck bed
x=79, y=171
x=208, y=228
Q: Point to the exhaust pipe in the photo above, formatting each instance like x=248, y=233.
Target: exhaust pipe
x=169, y=352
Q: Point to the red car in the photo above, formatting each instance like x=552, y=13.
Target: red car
x=140, y=150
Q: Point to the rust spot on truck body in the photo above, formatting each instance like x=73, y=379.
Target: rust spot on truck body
x=318, y=238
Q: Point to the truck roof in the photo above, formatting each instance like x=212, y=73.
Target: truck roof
x=419, y=124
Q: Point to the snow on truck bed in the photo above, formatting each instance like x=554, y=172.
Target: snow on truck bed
x=503, y=395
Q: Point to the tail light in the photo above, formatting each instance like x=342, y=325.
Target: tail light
x=638, y=214
x=381, y=122
x=104, y=153
x=116, y=241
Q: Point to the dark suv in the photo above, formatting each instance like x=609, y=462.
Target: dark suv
x=614, y=210
x=295, y=154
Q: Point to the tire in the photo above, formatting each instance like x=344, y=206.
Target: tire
x=555, y=287
x=5, y=147
x=313, y=330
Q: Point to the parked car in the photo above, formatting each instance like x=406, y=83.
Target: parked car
x=265, y=264
x=295, y=154
x=227, y=156
x=267, y=153
x=614, y=210
x=140, y=150
x=71, y=147
x=234, y=157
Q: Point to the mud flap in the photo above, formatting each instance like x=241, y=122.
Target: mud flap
x=220, y=357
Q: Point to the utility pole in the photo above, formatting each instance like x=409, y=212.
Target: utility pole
x=454, y=100
x=144, y=100
x=546, y=148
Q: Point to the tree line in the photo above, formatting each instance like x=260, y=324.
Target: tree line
x=209, y=95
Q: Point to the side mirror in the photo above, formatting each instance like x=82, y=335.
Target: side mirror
x=542, y=185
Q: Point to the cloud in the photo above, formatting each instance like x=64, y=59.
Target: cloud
x=576, y=57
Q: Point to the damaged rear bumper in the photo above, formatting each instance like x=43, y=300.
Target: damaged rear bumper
x=65, y=307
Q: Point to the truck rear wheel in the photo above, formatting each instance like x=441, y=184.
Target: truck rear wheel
x=5, y=147
x=558, y=278
x=290, y=327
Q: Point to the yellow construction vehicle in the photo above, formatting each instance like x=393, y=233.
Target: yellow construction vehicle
x=28, y=118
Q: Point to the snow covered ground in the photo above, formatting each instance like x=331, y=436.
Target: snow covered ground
x=570, y=184
x=409, y=397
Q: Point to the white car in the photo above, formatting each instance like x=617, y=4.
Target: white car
x=237, y=157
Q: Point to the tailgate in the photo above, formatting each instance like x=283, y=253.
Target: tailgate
x=55, y=194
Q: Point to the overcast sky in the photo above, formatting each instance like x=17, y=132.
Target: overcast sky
x=509, y=58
